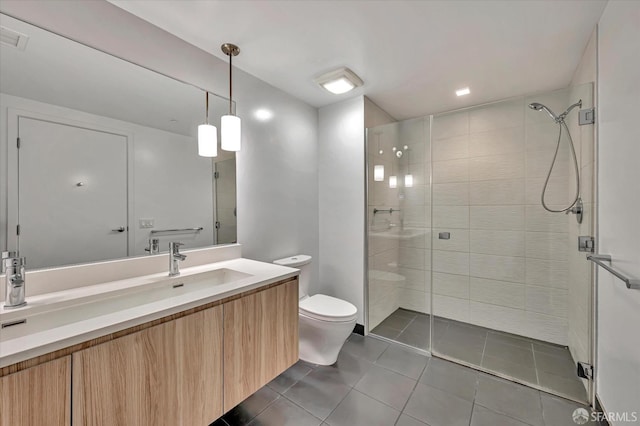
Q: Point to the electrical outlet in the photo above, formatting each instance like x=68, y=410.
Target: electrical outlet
x=146, y=223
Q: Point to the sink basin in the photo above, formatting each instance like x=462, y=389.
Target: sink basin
x=399, y=233
x=102, y=300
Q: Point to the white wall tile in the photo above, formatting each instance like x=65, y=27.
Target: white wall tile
x=542, y=136
x=451, y=307
x=458, y=240
x=558, y=191
x=414, y=196
x=497, y=317
x=497, y=192
x=451, y=171
x=505, y=243
x=510, y=166
x=497, y=116
x=450, y=125
x=415, y=279
x=497, y=142
x=546, y=300
x=547, y=328
x=547, y=245
x=507, y=218
x=503, y=293
x=538, y=219
x=539, y=162
x=411, y=258
x=502, y=268
x=450, y=217
x=414, y=300
x=451, y=285
x=548, y=273
x=451, y=262
x=450, y=194
x=451, y=148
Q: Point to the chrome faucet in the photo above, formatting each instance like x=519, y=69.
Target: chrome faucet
x=154, y=246
x=13, y=267
x=174, y=257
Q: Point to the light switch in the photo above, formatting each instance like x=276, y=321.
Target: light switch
x=146, y=223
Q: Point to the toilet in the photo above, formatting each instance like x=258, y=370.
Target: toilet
x=325, y=322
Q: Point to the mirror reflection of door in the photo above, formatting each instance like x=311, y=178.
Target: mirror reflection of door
x=225, y=201
x=72, y=205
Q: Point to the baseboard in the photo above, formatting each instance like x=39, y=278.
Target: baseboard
x=359, y=329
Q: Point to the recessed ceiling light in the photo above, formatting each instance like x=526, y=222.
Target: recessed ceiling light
x=463, y=91
x=339, y=81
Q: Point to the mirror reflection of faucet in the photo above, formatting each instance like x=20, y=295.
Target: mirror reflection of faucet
x=174, y=258
x=154, y=246
x=13, y=266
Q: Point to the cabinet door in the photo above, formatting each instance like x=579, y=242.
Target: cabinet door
x=169, y=374
x=260, y=340
x=37, y=396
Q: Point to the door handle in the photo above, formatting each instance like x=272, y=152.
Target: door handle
x=121, y=229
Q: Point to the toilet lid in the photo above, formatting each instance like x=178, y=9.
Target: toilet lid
x=327, y=307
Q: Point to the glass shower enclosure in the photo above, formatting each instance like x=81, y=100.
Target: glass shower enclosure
x=464, y=262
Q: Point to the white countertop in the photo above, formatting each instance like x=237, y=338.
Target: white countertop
x=75, y=309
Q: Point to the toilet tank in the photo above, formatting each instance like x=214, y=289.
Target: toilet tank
x=302, y=262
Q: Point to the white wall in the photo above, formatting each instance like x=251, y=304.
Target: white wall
x=618, y=364
x=277, y=167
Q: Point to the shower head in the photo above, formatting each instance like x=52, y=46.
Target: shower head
x=539, y=107
x=564, y=114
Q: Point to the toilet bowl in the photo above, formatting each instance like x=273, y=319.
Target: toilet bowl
x=325, y=322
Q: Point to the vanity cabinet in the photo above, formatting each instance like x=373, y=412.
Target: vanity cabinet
x=260, y=340
x=37, y=396
x=169, y=374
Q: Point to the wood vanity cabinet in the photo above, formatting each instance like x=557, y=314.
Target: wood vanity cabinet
x=260, y=340
x=37, y=396
x=169, y=374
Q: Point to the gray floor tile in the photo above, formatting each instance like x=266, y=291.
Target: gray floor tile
x=468, y=351
x=559, y=412
x=558, y=365
x=386, y=386
x=467, y=330
x=399, y=322
x=289, y=378
x=318, y=393
x=570, y=387
x=510, y=399
x=416, y=340
x=357, y=409
x=349, y=368
x=450, y=377
x=509, y=339
x=403, y=361
x=484, y=417
x=389, y=333
x=551, y=349
x=404, y=313
x=422, y=319
x=405, y=420
x=244, y=412
x=285, y=413
x=510, y=353
x=438, y=408
x=365, y=347
x=525, y=373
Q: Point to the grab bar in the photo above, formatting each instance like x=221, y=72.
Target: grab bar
x=599, y=260
x=158, y=231
x=375, y=211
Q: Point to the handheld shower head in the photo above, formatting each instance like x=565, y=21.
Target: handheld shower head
x=539, y=107
x=564, y=114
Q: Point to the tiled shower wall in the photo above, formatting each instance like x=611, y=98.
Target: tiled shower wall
x=506, y=265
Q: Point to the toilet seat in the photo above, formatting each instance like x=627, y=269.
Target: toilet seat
x=326, y=308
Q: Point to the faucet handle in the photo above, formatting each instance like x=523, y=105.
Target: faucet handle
x=174, y=246
x=5, y=256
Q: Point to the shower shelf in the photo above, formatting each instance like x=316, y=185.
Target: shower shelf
x=376, y=211
x=599, y=260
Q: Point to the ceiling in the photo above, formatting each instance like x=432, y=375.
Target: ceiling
x=412, y=55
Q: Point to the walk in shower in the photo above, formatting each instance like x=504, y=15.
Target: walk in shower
x=463, y=259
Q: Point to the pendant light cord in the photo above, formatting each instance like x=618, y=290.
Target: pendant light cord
x=230, y=84
x=206, y=117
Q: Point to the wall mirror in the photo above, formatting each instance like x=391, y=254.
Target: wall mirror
x=99, y=156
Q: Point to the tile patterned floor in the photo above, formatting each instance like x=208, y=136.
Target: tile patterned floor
x=375, y=383
x=527, y=360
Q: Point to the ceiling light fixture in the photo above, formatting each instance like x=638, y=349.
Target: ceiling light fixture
x=463, y=91
x=207, y=135
x=378, y=173
x=339, y=81
x=408, y=178
x=230, y=125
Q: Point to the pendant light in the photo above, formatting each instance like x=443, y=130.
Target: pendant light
x=207, y=135
x=393, y=179
x=230, y=125
x=378, y=170
x=408, y=178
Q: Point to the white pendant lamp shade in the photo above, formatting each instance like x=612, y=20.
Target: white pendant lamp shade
x=207, y=140
x=393, y=181
x=230, y=132
x=378, y=173
x=408, y=181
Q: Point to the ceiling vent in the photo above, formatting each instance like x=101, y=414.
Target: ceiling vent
x=13, y=38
